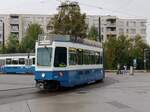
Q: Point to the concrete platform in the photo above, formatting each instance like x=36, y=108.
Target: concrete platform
x=117, y=94
x=16, y=81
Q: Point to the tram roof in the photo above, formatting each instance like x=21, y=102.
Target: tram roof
x=49, y=38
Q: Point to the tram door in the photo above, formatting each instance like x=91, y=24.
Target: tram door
x=60, y=59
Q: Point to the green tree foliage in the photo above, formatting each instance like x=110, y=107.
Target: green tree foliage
x=12, y=45
x=69, y=20
x=1, y=49
x=123, y=50
x=93, y=33
x=28, y=42
x=137, y=50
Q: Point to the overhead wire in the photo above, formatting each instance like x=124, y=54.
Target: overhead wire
x=113, y=11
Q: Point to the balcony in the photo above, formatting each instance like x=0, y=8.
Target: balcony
x=14, y=29
x=14, y=21
x=111, y=25
x=112, y=32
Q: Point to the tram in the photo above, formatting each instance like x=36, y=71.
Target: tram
x=62, y=61
x=17, y=63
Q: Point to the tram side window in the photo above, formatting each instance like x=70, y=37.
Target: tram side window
x=72, y=56
x=8, y=61
x=97, y=57
x=33, y=61
x=2, y=62
x=60, y=57
x=101, y=58
x=80, y=56
x=92, y=57
x=21, y=61
x=86, y=57
x=15, y=61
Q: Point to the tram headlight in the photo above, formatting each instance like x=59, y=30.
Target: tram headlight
x=43, y=75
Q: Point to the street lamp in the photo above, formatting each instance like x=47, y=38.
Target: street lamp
x=3, y=26
x=100, y=39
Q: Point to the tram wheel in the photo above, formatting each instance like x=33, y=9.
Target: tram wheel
x=53, y=86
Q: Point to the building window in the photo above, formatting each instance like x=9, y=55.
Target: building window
x=133, y=31
x=127, y=31
x=134, y=23
x=143, y=24
x=14, y=27
x=143, y=31
x=127, y=23
x=121, y=31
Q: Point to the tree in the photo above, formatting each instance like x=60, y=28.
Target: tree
x=1, y=49
x=123, y=50
x=93, y=33
x=109, y=52
x=69, y=20
x=137, y=51
x=28, y=42
x=116, y=51
x=12, y=44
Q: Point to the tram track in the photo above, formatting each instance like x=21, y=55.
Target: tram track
x=20, y=94
x=28, y=93
x=16, y=89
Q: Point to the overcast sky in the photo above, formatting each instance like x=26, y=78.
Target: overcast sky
x=122, y=8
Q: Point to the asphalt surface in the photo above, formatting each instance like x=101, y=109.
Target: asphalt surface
x=118, y=93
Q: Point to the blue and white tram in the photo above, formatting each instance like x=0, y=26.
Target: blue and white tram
x=17, y=63
x=60, y=62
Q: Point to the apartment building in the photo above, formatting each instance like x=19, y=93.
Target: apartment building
x=17, y=24
x=111, y=26
x=132, y=27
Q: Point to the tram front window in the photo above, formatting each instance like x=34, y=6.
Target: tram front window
x=60, y=57
x=44, y=56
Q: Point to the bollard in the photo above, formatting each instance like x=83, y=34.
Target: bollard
x=131, y=70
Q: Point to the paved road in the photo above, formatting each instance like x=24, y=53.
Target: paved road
x=117, y=94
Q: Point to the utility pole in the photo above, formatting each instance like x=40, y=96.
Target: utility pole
x=145, y=50
x=3, y=43
x=99, y=39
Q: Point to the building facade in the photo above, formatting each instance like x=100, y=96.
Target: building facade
x=17, y=24
x=111, y=26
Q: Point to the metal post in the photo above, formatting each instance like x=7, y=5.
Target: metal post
x=3, y=44
x=145, y=59
x=100, y=40
x=3, y=36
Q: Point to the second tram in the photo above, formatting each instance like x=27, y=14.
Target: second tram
x=17, y=63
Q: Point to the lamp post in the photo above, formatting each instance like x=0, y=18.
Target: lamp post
x=99, y=19
x=3, y=26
